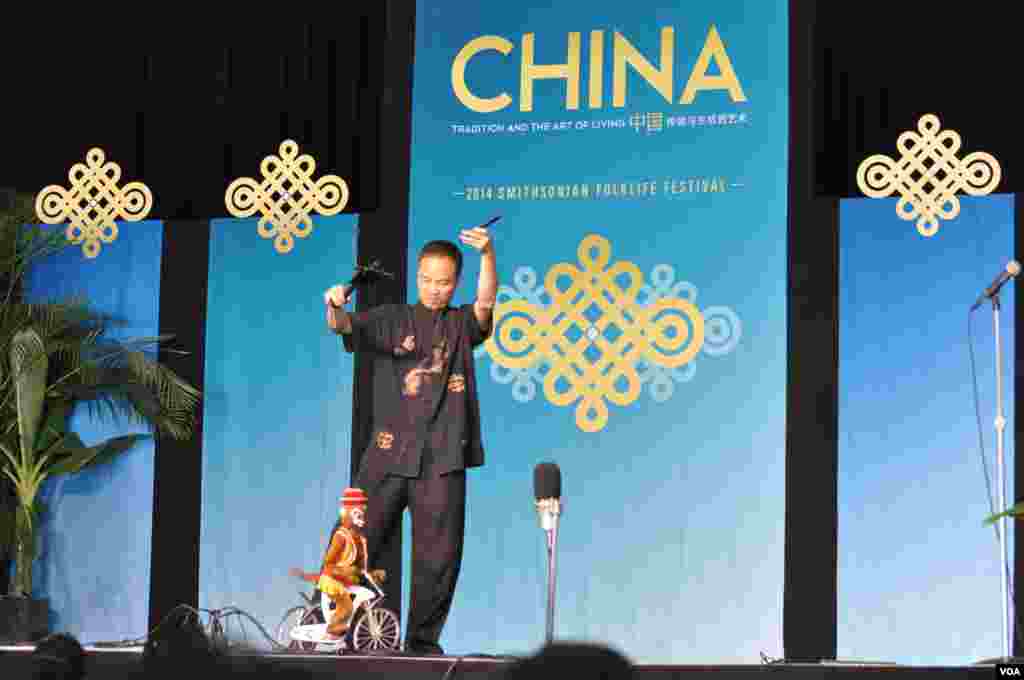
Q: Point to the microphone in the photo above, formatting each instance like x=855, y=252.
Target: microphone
x=547, y=489
x=1012, y=270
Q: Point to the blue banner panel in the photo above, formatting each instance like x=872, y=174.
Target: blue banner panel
x=96, y=533
x=277, y=417
x=637, y=156
x=918, y=572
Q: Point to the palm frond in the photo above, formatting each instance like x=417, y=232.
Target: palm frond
x=22, y=242
x=70, y=352
x=143, y=391
x=54, y=316
x=28, y=372
x=78, y=458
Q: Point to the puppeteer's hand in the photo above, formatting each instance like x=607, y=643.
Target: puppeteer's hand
x=297, y=573
x=379, y=575
x=477, y=237
x=337, y=296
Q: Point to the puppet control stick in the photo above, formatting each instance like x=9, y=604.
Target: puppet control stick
x=366, y=274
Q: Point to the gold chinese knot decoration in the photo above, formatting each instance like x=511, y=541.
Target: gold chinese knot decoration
x=93, y=203
x=595, y=333
x=928, y=175
x=286, y=196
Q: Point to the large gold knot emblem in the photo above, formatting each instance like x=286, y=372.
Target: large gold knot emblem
x=286, y=196
x=598, y=343
x=93, y=202
x=928, y=174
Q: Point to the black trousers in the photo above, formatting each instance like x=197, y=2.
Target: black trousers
x=437, y=504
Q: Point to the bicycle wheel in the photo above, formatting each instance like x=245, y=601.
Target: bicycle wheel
x=313, y=616
x=298, y=616
x=376, y=629
x=292, y=618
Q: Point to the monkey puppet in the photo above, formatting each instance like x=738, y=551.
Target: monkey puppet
x=345, y=562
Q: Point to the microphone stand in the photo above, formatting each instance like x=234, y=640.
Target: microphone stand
x=1000, y=424
x=550, y=509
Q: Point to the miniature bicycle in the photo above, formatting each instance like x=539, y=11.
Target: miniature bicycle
x=371, y=626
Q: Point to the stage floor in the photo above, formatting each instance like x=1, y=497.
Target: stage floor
x=102, y=663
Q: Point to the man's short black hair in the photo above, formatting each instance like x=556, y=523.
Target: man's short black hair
x=444, y=249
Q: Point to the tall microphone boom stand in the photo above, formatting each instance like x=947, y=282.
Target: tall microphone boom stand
x=1000, y=424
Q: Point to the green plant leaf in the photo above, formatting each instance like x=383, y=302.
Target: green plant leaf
x=11, y=463
x=1014, y=511
x=28, y=370
x=81, y=458
x=70, y=443
x=55, y=423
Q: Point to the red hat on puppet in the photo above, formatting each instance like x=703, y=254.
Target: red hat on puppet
x=353, y=497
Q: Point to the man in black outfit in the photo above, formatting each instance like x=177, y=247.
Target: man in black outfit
x=426, y=421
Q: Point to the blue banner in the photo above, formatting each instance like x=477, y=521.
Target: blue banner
x=637, y=156
x=277, y=419
x=95, y=537
x=918, y=572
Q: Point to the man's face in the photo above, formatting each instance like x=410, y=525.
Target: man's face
x=436, y=281
x=357, y=517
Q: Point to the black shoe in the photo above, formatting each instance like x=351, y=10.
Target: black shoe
x=424, y=649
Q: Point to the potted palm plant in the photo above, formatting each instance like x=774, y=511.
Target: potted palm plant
x=56, y=357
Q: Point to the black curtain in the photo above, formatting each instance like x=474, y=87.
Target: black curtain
x=178, y=465
x=809, y=597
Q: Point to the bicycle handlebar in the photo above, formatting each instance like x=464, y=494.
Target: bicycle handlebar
x=369, y=579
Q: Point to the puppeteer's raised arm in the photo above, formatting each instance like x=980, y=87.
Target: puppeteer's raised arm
x=487, y=285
